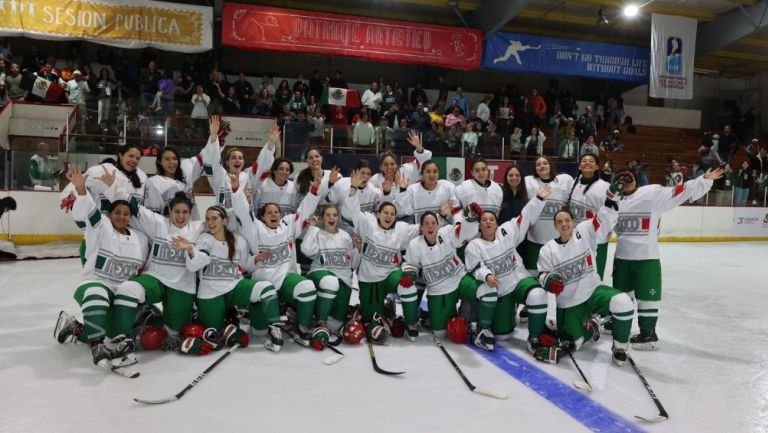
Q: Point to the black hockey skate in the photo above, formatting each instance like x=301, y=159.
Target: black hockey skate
x=67, y=329
x=124, y=353
x=274, y=340
x=102, y=356
x=619, y=354
x=412, y=332
x=485, y=340
x=645, y=341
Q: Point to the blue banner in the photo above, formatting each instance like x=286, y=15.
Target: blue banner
x=514, y=52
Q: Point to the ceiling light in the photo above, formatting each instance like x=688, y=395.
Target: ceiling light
x=602, y=20
x=631, y=10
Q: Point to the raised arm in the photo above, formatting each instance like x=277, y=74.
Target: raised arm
x=528, y=216
x=672, y=197
x=309, y=245
x=248, y=224
x=306, y=208
x=87, y=216
x=197, y=255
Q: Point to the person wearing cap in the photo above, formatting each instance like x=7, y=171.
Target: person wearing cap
x=76, y=89
x=567, y=128
x=636, y=264
x=611, y=142
x=7, y=204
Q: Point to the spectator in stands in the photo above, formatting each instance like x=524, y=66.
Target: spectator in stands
x=148, y=82
x=639, y=169
x=452, y=136
x=484, y=110
x=13, y=84
x=263, y=104
x=760, y=173
x=728, y=144
x=569, y=146
x=515, y=143
x=399, y=93
x=316, y=85
x=612, y=142
x=473, y=119
x=420, y=118
x=752, y=148
x=432, y=137
x=607, y=172
x=266, y=83
x=742, y=183
x=722, y=187
x=371, y=100
x=311, y=104
x=393, y=115
x=505, y=114
x=244, y=92
x=455, y=117
x=285, y=115
x=710, y=155
x=3, y=70
x=200, y=103
x=400, y=137
x=589, y=125
x=104, y=88
x=317, y=120
x=589, y=147
x=452, y=107
x=3, y=94
x=538, y=108
x=5, y=49
x=388, y=99
x=469, y=141
x=461, y=100
x=218, y=87
x=524, y=115
x=166, y=88
x=436, y=116
x=47, y=73
x=339, y=122
x=42, y=170
x=490, y=142
x=337, y=81
x=418, y=95
x=534, y=143
x=675, y=175
x=384, y=135
x=76, y=89
x=298, y=103
x=297, y=137
x=230, y=104
x=567, y=128
x=7, y=204
x=282, y=97
x=363, y=134
x=301, y=86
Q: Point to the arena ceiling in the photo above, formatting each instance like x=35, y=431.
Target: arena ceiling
x=733, y=34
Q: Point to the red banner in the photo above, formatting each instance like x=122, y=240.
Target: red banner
x=276, y=29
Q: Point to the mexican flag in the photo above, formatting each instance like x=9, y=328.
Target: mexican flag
x=338, y=96
x=451, y=169
x=46, y=89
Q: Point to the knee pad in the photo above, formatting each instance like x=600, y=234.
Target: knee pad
x=305, y=292
x=536, y=296
x=328, y=283
x=621, y=303
x=262, y=290
x=486, y=293
x=134, y=290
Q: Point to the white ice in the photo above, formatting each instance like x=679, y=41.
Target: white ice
x=711, y=373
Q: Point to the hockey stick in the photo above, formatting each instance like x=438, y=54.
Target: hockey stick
x=582, y=385
x=484, y=391
x=376, y=367
x=662, y=416
x=193, y=383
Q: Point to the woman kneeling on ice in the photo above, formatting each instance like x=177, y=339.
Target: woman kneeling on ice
x=568, y=268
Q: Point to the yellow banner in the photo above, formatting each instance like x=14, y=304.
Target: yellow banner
x=161, y=24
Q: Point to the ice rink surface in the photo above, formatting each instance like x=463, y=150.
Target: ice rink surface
x=711, y=373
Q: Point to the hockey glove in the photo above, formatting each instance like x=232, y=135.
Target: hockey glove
x=195, y=346
x=553, y=282
x=473, y=212
x=408, y=276
x=234, y=335
x=551, y=354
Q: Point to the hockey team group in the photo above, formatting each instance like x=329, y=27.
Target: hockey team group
x=279, y=255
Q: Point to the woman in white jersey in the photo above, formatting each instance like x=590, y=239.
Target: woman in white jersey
x=585, y=199
x=130, y=177
x=410, y=171
x=432, y=194
x=273, y=239
x=636, y=264
x=220, y=257
x=276, y=188
x=383, y=239
x=567, y=268
x=114, y=254
x=492, y=257
x=542, y=232
x=480, y=189
x=333, y=256
x=173, y=175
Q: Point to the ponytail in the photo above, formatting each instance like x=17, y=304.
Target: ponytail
x=229, y=237
x=133, y=176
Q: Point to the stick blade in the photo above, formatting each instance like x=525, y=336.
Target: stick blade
x=657, y=418
x=126, y=371
x=333, y=359
x=495, y=393
x=158, y=401
x=388, y=373
x=580, y=384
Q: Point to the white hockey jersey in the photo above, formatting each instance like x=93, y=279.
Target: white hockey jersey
x=250, y=177
x=111, y=257
x=218, y=275
x=488, y=197
x=381, y=248
x=411, y=171
x=333, y=252
x=544, y=230
x=499, y=257
x=160, y=189
x=281, y=242
x=584, y=205
x=640, y=216
x=286, y=197
x=97, y=187
x=576, y=259
x=417, y=200
x=440, y=267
